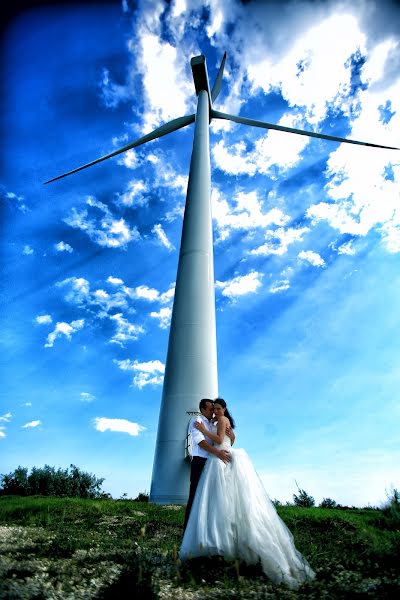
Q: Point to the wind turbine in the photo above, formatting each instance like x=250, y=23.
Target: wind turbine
x=191, y=365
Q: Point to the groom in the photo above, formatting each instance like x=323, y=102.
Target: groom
x=202, y=447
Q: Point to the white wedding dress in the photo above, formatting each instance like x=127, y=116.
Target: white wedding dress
x=232, y=516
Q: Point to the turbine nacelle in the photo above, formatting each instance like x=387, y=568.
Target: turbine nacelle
x=200, y=75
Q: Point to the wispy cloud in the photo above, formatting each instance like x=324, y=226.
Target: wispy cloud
x=162, y=237
x=163, y=316
x=244, y=212
x=147, y=373
x=87, y=397
x=134, y=195
x=31, y=424
x=279, y=286
x=278, y=240
x=6, y=418
x=275, y=151
x=18, y=201
x=119, y=425
x=113, y=93
x=79, y=290
x=101, y=226
x=126, y=331
x=63, y=329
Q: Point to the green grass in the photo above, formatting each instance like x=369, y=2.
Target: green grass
x=72, y=548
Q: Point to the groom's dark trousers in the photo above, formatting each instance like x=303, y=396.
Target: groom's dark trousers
x=196, y=468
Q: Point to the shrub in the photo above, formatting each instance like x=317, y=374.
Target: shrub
x=328, y=503
x=391, y=509
x=303, y=499
x=142, y=497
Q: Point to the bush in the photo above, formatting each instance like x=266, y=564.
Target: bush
x=391, y=509
x=303, y=499
x=48, y=481
x=142, y=497
x=328, y=503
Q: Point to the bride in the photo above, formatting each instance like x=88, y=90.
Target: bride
x=233, y=516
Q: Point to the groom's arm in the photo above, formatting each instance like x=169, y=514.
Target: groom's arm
x=221, y=454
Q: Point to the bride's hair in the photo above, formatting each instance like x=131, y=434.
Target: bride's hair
x=228, y=415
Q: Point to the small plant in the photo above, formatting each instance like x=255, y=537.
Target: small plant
x=142, y=497
x=303, y=499
x=328, y=503
x=391, y=509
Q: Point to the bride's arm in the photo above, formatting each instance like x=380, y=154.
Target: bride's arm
x=218, y=438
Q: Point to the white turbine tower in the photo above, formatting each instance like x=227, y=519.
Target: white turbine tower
x=191, y=365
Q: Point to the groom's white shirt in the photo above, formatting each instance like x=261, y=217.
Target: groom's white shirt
x=198, y=437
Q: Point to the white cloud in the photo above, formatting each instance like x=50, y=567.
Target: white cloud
x=279, y=240
x=240, y=285
x=363, y=182
x=129, y=159
x=112, y=93
x=79, y=292
x=120, y=425
x=168, y=296
x=63, y=247
x=275, y=150
x=312, y=257
x=64, y=329
x=31, y=424
x=87, y=397
x=166, y=85
x=346, y=248
x=144, y=292
x=245, y=213
x=307, y=74
x=44, y=319
x=27, y=251
x=147, y=373
x=162, y=236
x=125, y=331
x=14, y=199
x=6, y=418
x=2, y=434
x=164, y=316
x=101, y=226
x=114, y=280
x=279, y=286
x=134, y=195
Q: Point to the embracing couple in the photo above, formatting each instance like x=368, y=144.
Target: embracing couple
x=229, y=513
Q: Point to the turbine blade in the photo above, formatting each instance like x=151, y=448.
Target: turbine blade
x=159, y=132
x=220, y=115
x=216, y=88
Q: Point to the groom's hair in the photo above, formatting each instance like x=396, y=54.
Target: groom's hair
x=203, y=403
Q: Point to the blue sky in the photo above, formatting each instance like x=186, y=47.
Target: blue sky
x=307, y=237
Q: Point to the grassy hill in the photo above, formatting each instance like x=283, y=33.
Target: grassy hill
x=65, y=548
